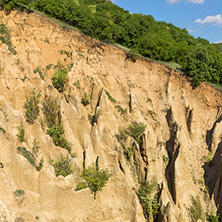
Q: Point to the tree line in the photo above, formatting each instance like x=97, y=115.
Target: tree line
x=103, y=20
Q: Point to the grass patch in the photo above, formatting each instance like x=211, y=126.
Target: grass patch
x=172, y=65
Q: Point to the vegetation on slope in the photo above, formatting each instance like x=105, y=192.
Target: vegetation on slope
x=161, y=41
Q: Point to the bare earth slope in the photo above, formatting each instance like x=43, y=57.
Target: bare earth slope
x=183, y=126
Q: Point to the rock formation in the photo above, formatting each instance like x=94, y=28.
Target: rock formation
x=183, y=128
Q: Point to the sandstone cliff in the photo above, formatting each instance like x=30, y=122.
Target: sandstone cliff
x=183, y=128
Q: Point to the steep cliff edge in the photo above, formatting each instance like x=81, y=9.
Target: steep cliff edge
x=183, y=128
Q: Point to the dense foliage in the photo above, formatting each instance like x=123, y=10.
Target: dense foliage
x=106, y=21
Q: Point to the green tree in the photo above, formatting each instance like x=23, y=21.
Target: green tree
x=95, y=178
x=198, y=65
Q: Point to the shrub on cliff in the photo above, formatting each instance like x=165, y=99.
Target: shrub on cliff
x=55, y=132
x=21, y=134
x=60, y=77
x=135, y=130
x=50, y=110
x=62, y=166
x=32, y=106
x=147, y=194
x=95, y=178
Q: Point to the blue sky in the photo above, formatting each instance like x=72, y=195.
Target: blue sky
x=202, y=18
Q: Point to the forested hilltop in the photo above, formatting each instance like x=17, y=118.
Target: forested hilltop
x=103, y=20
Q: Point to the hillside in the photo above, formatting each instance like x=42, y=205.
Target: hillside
x=142, y=34
x=178, y=152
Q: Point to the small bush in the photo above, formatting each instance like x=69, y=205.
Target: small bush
x=95, y=178
x=39, y=167
x=85, y=99
x=50, y=111
x=19, y=193
x=55, y=132
x=59, y=78
x=21, y=134
x=35, y=147
x=135, y=130
x=196, y=210
x=62, y=166
x=32, y=106
x=147, y=194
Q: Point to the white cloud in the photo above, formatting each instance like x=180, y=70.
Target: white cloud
x=187, y=1
x=173, y=1
x=215, y=20
x=218, y=42
x=196, y=1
